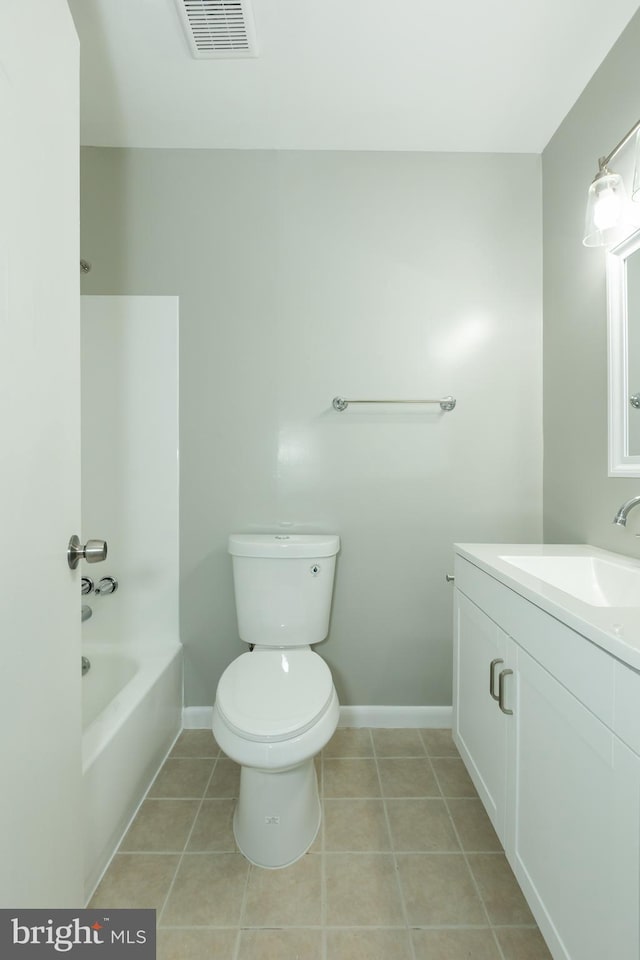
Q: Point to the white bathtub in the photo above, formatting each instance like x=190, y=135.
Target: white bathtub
x=132, y=713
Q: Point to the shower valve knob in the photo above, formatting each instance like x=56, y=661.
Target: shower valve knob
x=106, y=585
x=93, y=551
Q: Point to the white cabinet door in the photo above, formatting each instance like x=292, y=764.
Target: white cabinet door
x=480, y=727
x=574, y=823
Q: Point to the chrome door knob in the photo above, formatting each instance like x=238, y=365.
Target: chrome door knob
x=93, y=551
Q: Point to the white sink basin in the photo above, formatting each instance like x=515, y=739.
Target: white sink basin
x=593, y=580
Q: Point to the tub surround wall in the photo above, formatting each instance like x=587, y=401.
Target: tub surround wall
x=306, y=275
x=129, y=360
x=580, y=499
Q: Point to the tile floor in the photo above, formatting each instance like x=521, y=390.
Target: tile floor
x=406, y=865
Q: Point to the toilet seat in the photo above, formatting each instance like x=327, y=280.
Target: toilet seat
x=274, y=694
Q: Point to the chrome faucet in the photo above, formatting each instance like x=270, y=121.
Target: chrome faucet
x=624, y=511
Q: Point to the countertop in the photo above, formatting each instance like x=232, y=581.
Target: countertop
x=614, y=629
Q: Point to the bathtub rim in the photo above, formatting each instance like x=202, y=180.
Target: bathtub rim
x=152, y=661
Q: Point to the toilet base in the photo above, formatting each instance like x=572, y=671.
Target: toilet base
x=278, y=814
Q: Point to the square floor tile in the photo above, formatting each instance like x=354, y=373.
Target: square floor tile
x=182, y=778
x=349, y=742
x=421, y=825
x=522, y=943
x=408, y=777
x=195, y=743
x=397, y=743
x=362, y=890
x=473, y=825
x=225, y=781
x=136, y=880
x=356, y=825
x=502, y=897
x=438, y=890
x=161, y=826
x=213, y=829
x=439, y=743
x=453, y=779
x=207, y=891
x=455, y=945
x=286, y=897
x=200, y=944
x=351, y=778
x=368, y=945
x=280, y=945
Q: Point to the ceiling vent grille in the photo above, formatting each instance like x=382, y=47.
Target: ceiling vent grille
x=218, y=28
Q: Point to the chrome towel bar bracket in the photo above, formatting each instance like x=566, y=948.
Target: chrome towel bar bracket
x=446, y=403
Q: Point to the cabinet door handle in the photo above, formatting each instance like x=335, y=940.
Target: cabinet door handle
x=502, y=675
x=492, y=679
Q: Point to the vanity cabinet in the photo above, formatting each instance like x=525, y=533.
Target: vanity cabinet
x=560, y=785
x=480, y=649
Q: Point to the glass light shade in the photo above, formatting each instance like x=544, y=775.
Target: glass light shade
x=635, y=191
x=606, y=205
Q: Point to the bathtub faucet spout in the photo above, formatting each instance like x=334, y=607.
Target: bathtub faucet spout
x=85, y=612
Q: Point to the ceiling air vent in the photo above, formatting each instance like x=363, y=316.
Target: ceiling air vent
x=218, y=28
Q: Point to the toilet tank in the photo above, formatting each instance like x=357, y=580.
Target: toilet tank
x=283, y=586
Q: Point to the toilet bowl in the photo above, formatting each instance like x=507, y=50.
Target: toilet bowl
x=276, y=707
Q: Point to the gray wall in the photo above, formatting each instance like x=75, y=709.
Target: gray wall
x=306, y=275
x=579, y=498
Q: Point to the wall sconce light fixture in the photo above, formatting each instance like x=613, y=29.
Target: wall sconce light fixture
x=607, y=198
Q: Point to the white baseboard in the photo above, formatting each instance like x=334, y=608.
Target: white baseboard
x=199, y=718
x=383, y=716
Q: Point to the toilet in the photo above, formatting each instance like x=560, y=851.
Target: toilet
x=276, y=706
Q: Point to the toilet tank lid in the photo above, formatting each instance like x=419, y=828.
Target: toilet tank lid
x=288, y=546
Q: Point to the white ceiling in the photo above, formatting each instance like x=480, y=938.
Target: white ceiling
x=451, y=75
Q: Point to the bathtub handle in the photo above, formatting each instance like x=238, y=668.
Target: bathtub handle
x=106, y=585
x=93, y=551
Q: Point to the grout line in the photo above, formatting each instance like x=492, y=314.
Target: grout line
x=396, y=870
x=186, y=843
x=329, y=853
x=471, y=873
x=323, y=866
x=236, y=948
x=243, y=907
